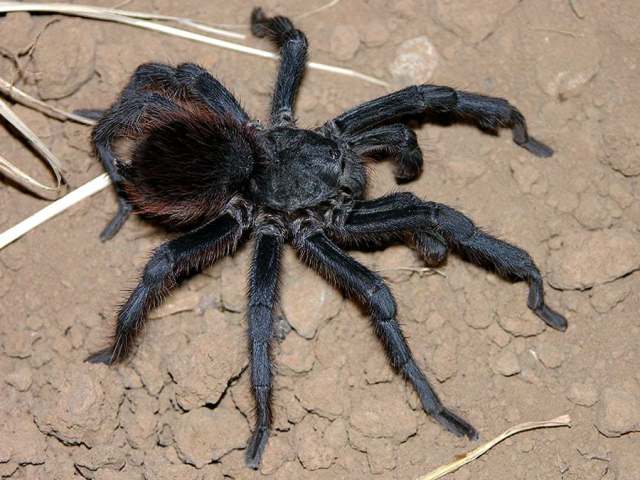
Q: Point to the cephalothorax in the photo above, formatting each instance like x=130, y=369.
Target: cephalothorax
x=199, y=164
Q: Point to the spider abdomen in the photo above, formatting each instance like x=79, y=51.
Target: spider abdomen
x=188, y=164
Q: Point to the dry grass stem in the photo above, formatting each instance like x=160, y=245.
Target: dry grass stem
x=575, y=8
x=19, y=96
x=331, y=4
x=419, y=270
x=81, y=10
x=21, y=177
x=117, y=16
x=563, y=421
x=53, y=209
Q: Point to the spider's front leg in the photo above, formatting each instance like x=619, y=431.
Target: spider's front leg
x=293, y=52
x=488, y=113
x=169, y=263
x=371, y=292
x=396, y=141
x=263, y=294
x=404, y=213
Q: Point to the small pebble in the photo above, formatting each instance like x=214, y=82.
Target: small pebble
x=550, y=356
x=507, y=364
x=583, y=394
x=344, y=42
x=20, y=379
x=416, y=61
x=375, y=34
x=498, y=335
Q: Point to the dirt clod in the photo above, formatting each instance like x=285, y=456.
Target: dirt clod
x=344, y=42
x=591, y=263
x=20, y=379
x=56, y=78
x=197, y=434
x=507, y=364
x=619, y=412
x=197, y=383
x=584, y=394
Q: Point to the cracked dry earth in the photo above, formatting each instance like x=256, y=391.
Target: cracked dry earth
x=181, y=407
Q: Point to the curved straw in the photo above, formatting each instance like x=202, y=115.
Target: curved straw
x=72, y=9
x=562, y=421
x=19, y=96
x=18, y=175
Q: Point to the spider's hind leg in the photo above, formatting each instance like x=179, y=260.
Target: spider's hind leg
x=372, y=293
x=405, y=213
x=263, y=293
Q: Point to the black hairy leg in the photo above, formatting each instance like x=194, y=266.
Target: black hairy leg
x=396, y=141
x=430, y=245
x=153, y=89
x=407, y=213
x=170, y=262
x=90, y=113
x=263, y=293
x=293, y=52
x=488, y=113
x=373, y=294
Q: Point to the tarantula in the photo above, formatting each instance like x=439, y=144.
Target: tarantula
x=199, y=164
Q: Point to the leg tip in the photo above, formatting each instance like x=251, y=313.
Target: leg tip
x=118, y=221
x=456, y=425
x=552, y=318
x=255, y=448
x=91, y=114
x=409, y=166
x=539, y=149
x=104, y=356
x=257, y=17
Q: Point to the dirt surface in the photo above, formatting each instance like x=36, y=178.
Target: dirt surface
x=181, y=407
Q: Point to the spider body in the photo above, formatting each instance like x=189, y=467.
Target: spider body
x=304, y=169
x=198, y=164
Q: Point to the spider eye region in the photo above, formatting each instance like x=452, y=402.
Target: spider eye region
x=303, y=170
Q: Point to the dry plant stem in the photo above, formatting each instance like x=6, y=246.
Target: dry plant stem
x=19, y=96
x=50, y=211
x=419, y=270
x=107, y=14
x=331, y=4
x=563, y=421
x=576, y=9
x=25, y=180
x=21, y=178
x=79, y=10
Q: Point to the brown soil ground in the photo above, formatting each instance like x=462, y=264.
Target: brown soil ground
x=181, y=408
